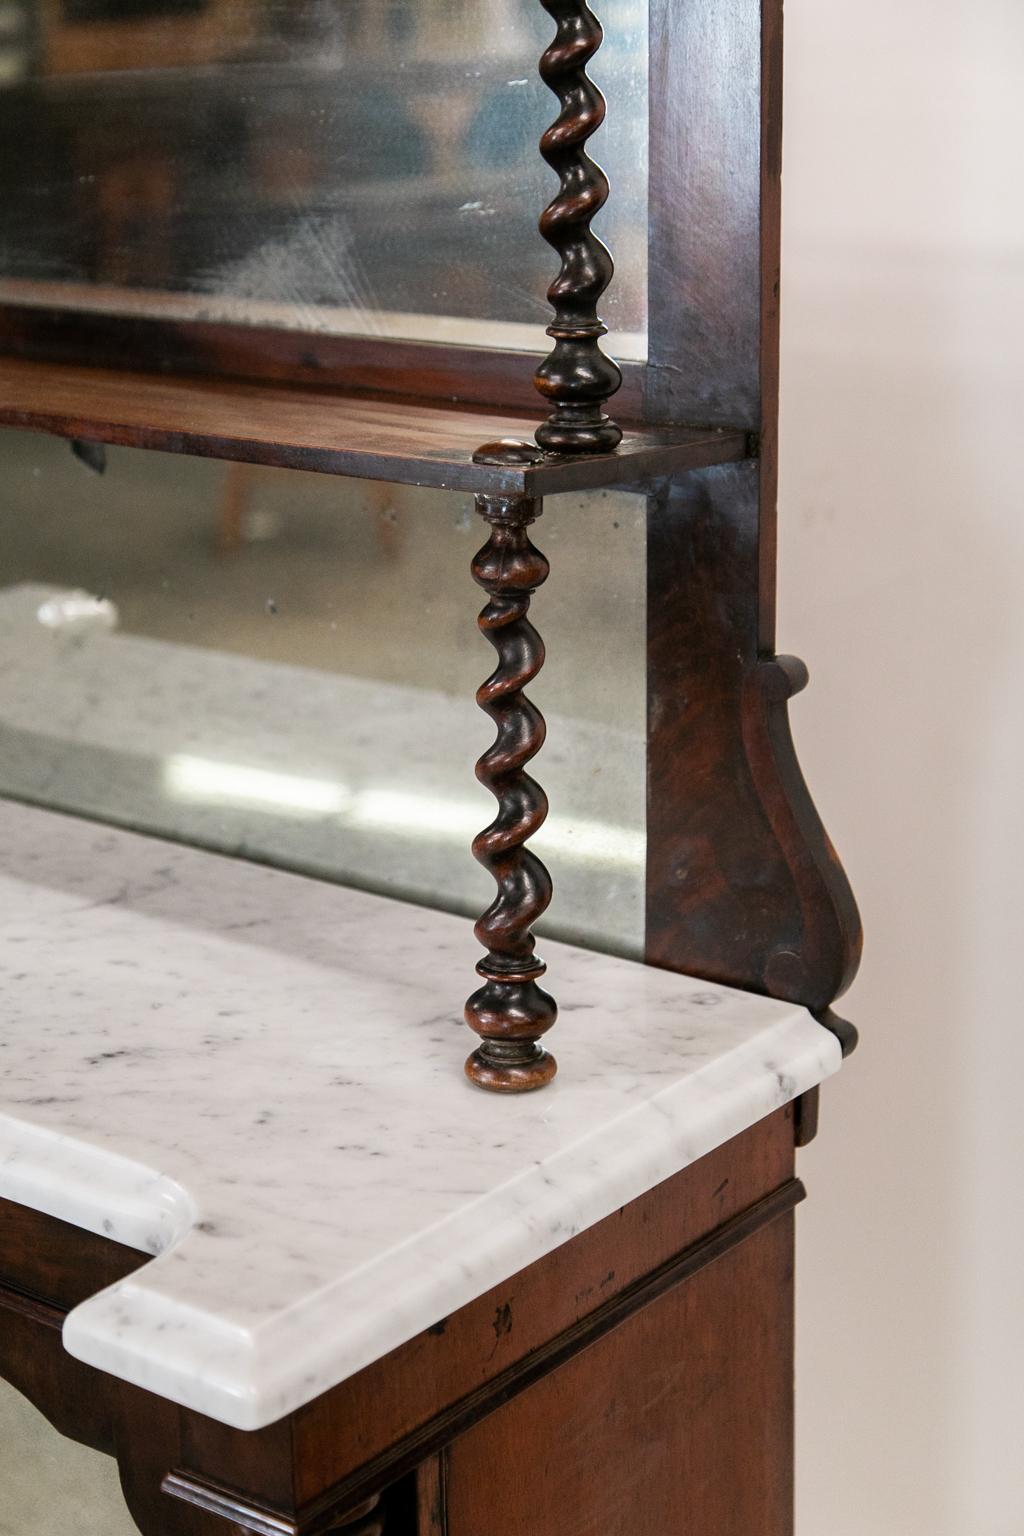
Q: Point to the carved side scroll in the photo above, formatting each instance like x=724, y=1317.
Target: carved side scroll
x=743, y=885
x=577, y=378
x=510, y=1011
x=822, y=964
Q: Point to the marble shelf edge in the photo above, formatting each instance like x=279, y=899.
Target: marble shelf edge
x=252, y=1380
x=61, y=1176
x=265, y=1296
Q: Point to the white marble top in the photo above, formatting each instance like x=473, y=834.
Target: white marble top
x=258, y=1077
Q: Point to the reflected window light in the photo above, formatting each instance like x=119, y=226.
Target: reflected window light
x=405, y=812
x=415, y=814
x=427, y=815
x=77, y=613
x=598, y=841
x=212, y=783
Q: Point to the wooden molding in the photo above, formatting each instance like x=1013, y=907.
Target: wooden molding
x=237, y=1510
x=407, y=1454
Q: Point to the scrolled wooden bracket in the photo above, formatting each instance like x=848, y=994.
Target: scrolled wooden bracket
x=844, y=1031
x=821, y=966
x=510, y=1011
x=577, y=378
x=743, y=884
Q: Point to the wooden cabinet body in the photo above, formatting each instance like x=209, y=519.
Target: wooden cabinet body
x=638, y=1377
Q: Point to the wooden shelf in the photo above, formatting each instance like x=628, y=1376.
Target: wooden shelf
x=371, y=438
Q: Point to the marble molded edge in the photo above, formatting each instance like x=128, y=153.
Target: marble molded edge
x=92, y=1188
x=251, y=1379
x=224, y=1066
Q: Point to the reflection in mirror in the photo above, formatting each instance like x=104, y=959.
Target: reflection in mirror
x=283, y=666
x=333, y=166
x=51, y=1484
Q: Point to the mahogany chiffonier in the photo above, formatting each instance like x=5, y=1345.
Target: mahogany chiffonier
x=266, y=1236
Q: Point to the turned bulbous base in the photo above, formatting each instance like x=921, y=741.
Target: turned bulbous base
x=511, y=1015
x=567, y=434
x=489, y=1067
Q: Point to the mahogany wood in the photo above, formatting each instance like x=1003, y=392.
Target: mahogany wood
x=511, y=1011
x=743, y=885
x=294, y=428
x=610, y=1315
x=709, y=211
x=679, y=1421
x=370, y=1517
x=808, y=1106
x=58, y=1262
x=432, y=1496
x=45, y=329
x=76, y=1399
x=475, y=1358
x=577, y=378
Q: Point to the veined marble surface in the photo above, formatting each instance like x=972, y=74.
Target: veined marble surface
x=258, y=1078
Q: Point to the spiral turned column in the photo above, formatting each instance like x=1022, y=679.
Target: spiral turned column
x=510, y=1011
x=577, y=378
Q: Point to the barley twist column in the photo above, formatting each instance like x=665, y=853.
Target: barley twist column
x=577, y=378
x=510, y=1011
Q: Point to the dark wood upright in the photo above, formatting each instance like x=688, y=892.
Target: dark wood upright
x=743, y=885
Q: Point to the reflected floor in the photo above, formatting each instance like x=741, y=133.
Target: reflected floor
x=49, y=1483
x=304, y=651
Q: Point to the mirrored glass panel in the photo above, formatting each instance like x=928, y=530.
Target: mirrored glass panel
x=283, y=666
x=333, y=166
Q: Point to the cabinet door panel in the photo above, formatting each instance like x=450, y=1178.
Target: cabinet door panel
x=678, y=1422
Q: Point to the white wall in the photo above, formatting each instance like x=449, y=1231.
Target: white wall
x=902, y=584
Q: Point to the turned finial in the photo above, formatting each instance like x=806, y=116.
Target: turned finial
x=576, y=378
x=510, y=1011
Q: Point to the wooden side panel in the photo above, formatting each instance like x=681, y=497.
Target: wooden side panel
x=704, y=277
x=57, y=1261
x=77, y=1401
x=400, y=1395
x=743, y=885
x=679, y=1423
x=719, y=895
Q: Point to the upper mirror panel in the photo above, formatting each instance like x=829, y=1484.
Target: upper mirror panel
x=363, y=167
